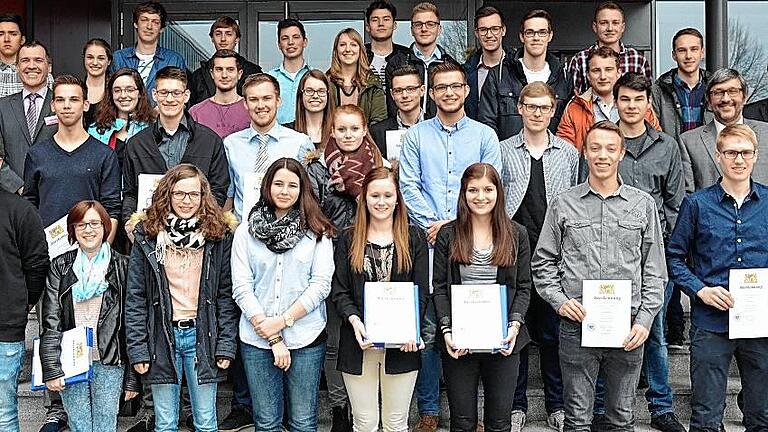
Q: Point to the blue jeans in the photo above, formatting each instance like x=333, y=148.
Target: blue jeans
x=92, y=406
x=241, y=397
x=202, y=396
x=711, y=355
x=11, y=358
x=428, y=382
x=270, y=386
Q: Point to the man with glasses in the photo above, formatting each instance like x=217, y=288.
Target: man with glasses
x=489, y=31
x=722, y=228
x=407, y=91
x=424, y=53
x=433, y=158
x=380, y=23
x=532, y=62
x=726, y=92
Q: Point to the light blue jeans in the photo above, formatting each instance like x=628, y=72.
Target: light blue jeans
x=11, y=358
x=92, y=406
x=202, y=396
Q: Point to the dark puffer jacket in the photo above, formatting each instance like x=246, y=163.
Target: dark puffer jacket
x=339, y=207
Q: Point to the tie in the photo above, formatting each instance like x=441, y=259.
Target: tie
x=32, y=114
x=262, y=158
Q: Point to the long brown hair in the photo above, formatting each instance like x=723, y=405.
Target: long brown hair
x=363, y=72
x=399, y=228
x=107, y=112
x=211, y=216
x=312, y=218
x=504, y=252
x=300, y=124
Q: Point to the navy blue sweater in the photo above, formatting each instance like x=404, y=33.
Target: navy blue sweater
x=55, y=179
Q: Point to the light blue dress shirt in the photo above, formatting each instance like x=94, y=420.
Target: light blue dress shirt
x=432, y=160
x=288, y=88
x=241, y=148
x=268, y=283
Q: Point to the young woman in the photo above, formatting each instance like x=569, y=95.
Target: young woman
x=86, y=287
x=314, y=108
x=282, y=264
x=180, y=316
x=482, y=246
x=97, y=56
x=380, y=247
x=352, y=81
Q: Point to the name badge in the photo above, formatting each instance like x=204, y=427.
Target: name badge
x=51, y=120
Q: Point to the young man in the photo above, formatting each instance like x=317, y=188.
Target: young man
x=489, y=31
x=224, y=112
x=424, y=53
x=292, y=40
x=225, y=35
x=433, y=158
x=532, y=62
x=595, y=104
x=722, y=228
x=609, y=26
x=407, y=91
x=149, y=20
x=25, y=117
x=11, y=40
x=24, y=267
x=71, y=166
x=251, y=150
x=605, y=230
x=537, y=166
x=380, y=23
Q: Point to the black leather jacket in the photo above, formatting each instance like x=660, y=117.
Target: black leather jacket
x=59, y=316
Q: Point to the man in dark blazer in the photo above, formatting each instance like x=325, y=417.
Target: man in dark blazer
x=726, y=92
x=16, y=115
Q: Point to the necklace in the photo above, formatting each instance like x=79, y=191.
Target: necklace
x=381, y=268
x=348, y=93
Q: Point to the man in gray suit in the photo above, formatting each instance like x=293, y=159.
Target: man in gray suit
x=25, y=117
x=726, y=93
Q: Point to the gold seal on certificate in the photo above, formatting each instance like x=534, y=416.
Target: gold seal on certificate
x=76, y=357
x=608, y=320
x=747, y=318
x=147, y=185
x=391, y=313
x=58, y=238
x=479, y=316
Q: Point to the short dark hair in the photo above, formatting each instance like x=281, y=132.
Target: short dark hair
x=32, y=44
x=633, y=81
x=690, y=31
x=99, y=42
x=69, y=80
x=13, y=18
x=604, y=52
x=407, y=69
x=612, y=5
x=445, y=68
x=536, y=13
x=151, y=7
x=486, y=11
x=380, y=4
x=259, y=78
x=172, y=72
x=225, y=53
x=77, y=214
x=225, y=22
x=288, y=23
x=605, y=125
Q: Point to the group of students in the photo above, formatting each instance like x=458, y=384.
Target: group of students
x=280, y=198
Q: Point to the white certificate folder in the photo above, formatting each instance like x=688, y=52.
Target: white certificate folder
x=747, y=318
x=76, y=358
x=391, y=313
x=479, y=320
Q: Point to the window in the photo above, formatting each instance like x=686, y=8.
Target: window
x=320, y=36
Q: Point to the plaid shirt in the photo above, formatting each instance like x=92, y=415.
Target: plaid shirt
x=10, y=83
x=630, y=60
x=692, y=103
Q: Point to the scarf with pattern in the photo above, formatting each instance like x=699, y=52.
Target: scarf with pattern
x=347, y=170
x=278, y=235
x=91, y=274
x=182, y=236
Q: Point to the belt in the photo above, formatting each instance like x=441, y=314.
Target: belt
x=184, y=324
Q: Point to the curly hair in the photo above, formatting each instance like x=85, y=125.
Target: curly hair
x=107, y=112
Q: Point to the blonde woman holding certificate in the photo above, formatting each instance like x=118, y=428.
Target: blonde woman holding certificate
x=482, y=247
x=379, y=247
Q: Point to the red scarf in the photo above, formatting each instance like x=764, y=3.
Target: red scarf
x=347, y=170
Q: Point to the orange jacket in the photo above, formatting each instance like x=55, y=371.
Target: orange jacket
x=579, y=117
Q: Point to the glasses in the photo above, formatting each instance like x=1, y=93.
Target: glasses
x=442, y=88
x=312, y=92
x=181, y=195
x=495, y=30
x=94, y=225
x=165, y=93
x=531, y=108
x=126, y=90
x=430, y=25
x=529, y=34
x=718, y=94
x=733, y=154
x=397, y=91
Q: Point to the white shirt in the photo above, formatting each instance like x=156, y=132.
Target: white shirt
x=533, y=76
x=719, y=126
x=145, y=65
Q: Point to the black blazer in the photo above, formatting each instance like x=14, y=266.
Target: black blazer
x=516, y=278
x=347, y=297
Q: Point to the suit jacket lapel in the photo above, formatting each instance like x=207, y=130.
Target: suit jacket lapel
x=18, y=111
x=44, y=112
x=709, y=140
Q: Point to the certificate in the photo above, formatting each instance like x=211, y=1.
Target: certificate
x=391, y=313
x=479, y=316
x=609, y=313
x=747, y=318
x=76, y=357
x=58, y=239
x=395, y=142
x=251, y=192
x=147, y=185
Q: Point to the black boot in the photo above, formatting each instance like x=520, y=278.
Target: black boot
x=341, y=421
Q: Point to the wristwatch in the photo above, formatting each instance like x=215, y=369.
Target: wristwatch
x=288, y=318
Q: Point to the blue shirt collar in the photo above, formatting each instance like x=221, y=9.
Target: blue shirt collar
x=722, y=194
x=459, y=124
x=283, y=71
x=436, y=54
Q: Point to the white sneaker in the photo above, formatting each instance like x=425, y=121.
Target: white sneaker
x=518, y=421
x=556, y=420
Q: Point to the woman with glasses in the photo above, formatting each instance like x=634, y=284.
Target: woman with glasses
x=180, y=316
x=314, y=108
x=97, y=56
x=352, y=80
x=86, y=288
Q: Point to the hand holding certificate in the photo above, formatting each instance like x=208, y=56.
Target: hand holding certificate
x=608, y=304
x=391, y=313
x=75, y=359
x=747, y=318
x=479, y=317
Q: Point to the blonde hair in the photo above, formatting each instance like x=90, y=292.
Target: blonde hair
x=363, y=71
x=741, y=132
x=425, y=7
